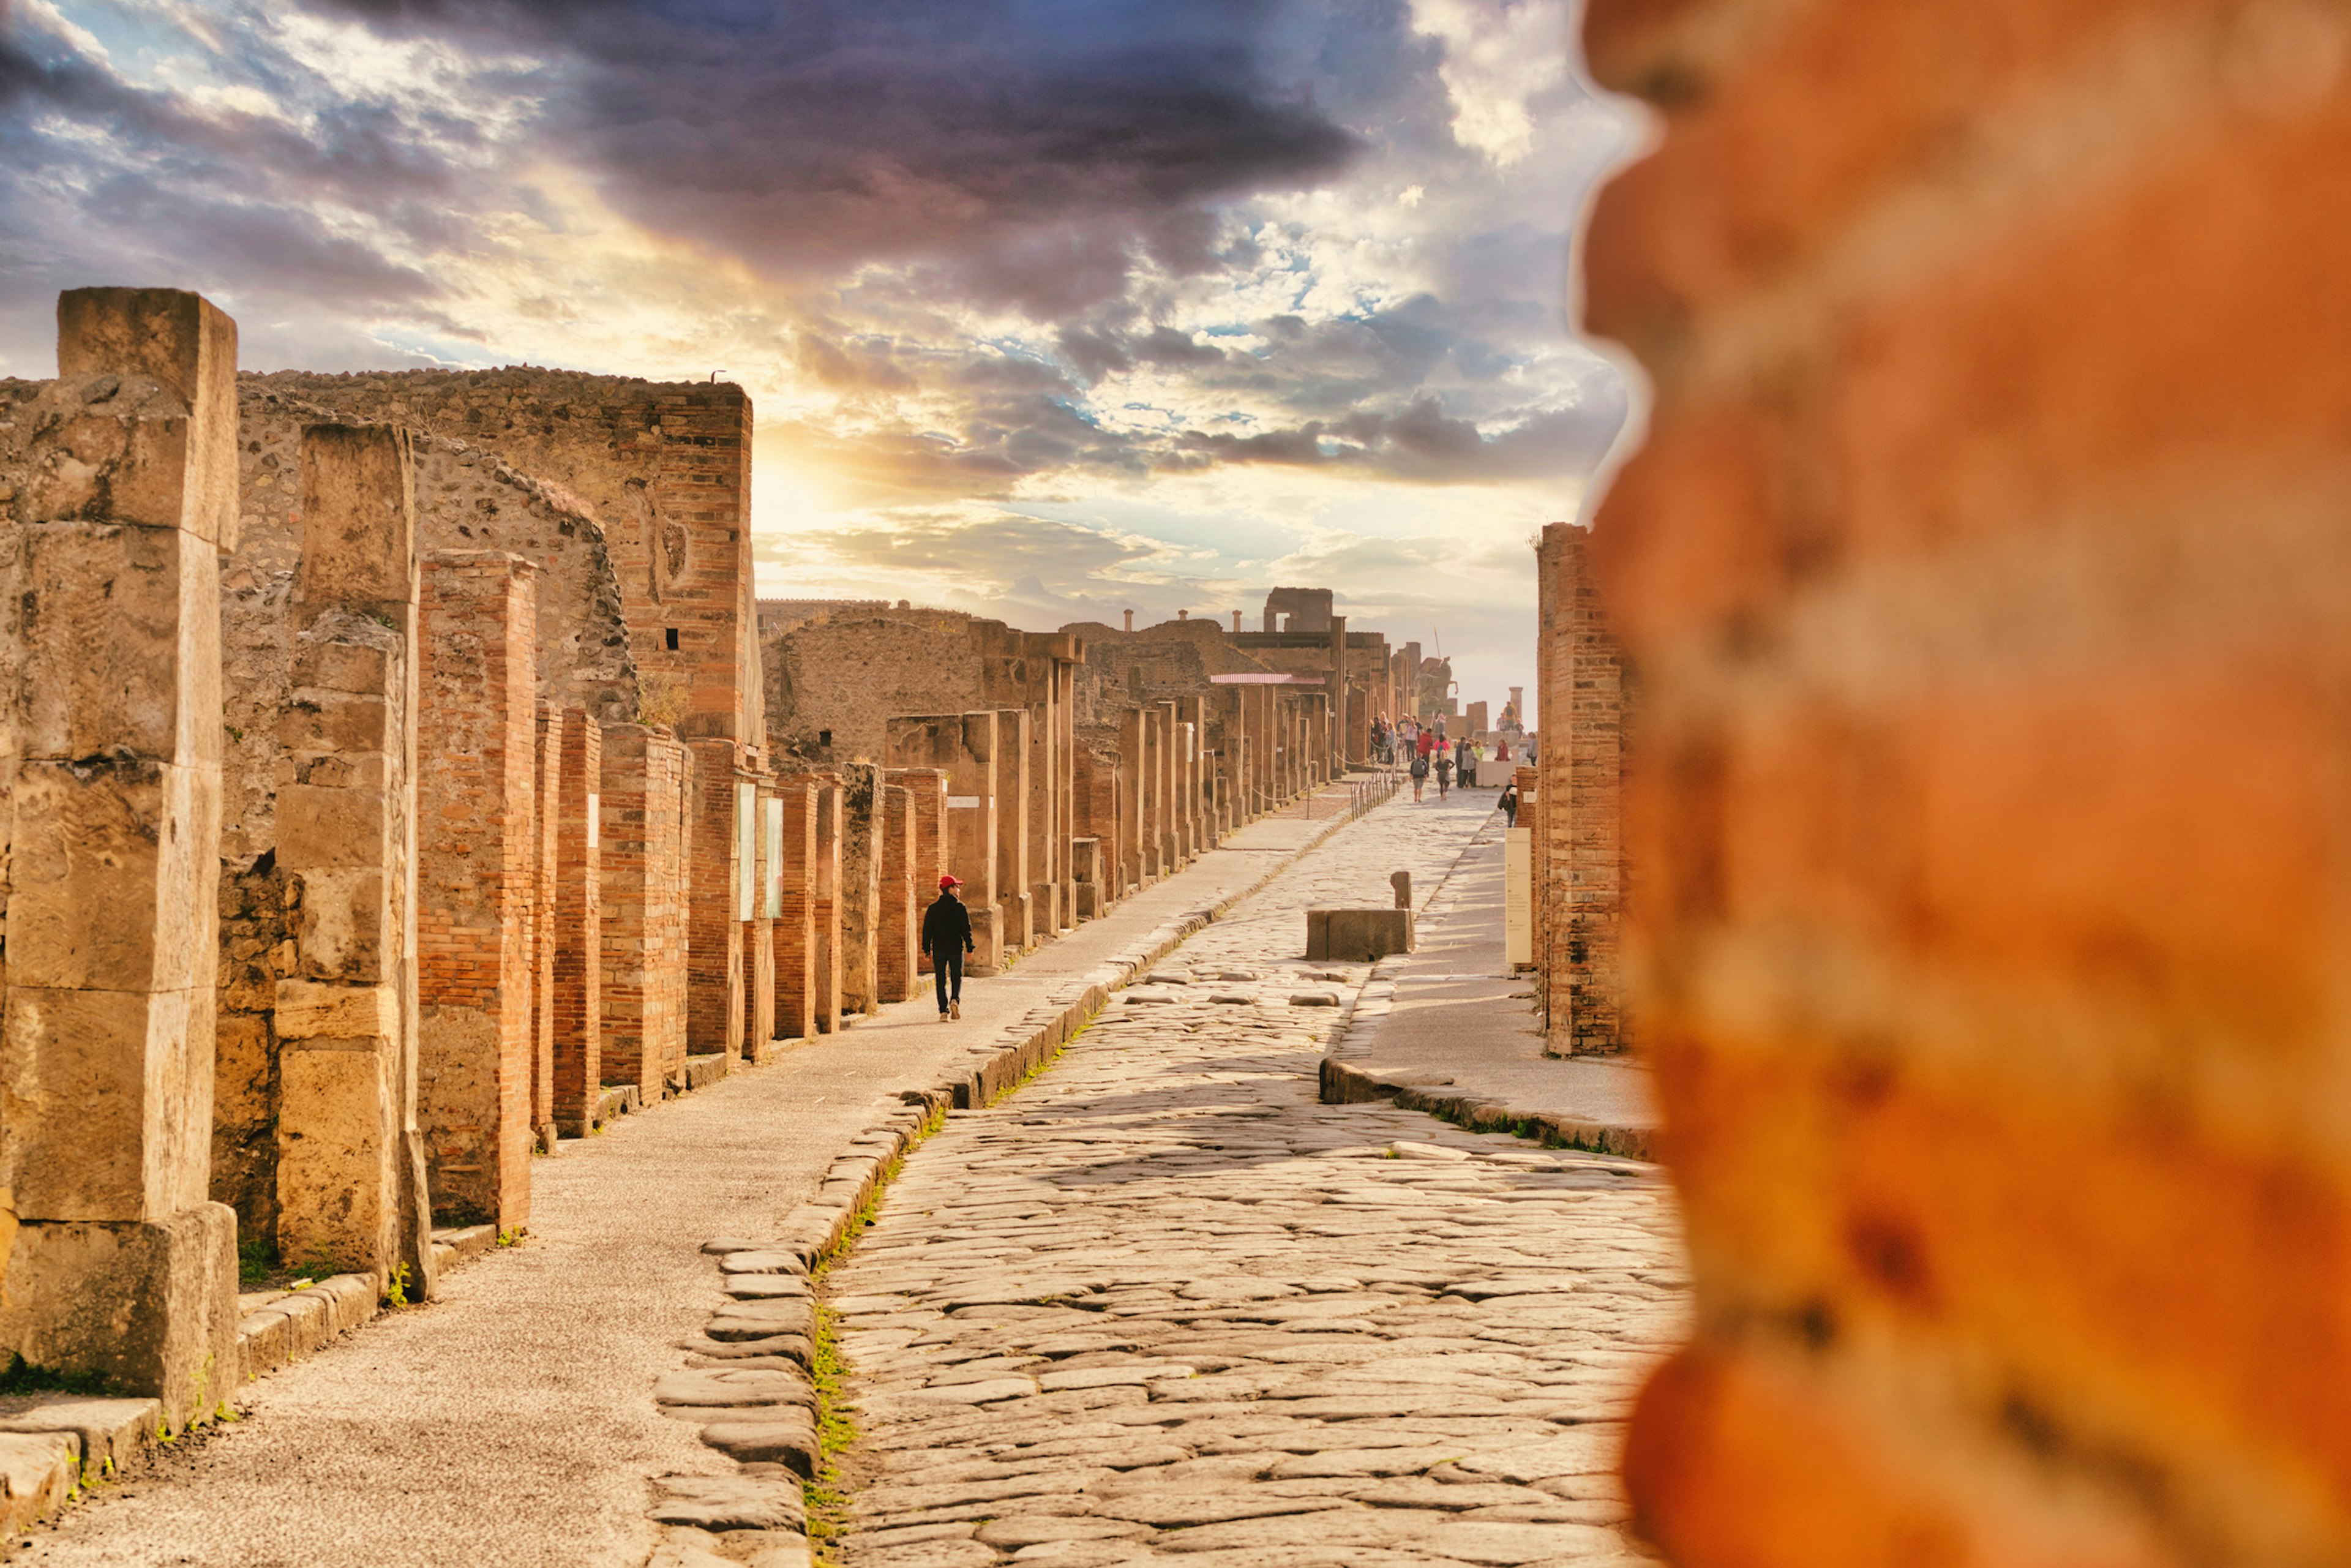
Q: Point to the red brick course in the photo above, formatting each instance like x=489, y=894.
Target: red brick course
x=579, y=998
x=645, y=881
x=1984, y=571
x=794, y=927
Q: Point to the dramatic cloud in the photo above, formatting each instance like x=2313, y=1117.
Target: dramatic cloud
x=1062, y=306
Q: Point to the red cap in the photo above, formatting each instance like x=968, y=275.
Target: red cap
x=947, y=882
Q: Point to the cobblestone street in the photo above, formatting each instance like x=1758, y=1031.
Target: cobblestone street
x=1162, y=1303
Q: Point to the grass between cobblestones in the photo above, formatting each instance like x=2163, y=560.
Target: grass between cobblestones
x=827, y=1498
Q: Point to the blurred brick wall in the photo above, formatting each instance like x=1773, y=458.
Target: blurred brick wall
x=1986, y=569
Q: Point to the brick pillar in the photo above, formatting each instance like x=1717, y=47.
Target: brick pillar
x=1581, y=772
x=1132, y=746
x=118, y=1264
x=760, y=931
x=927, y=826
x=547, y=815
x=351, y=1185
x=896, y=927
x=964, y=745
x=477, y=734
x=642, y=849
x=825, y=906
x=861, y=885
x=1011, y=794
x=795, y=923
x=578, y=996
x=1065, y=820
x=714, y=1008
x=1168, y=781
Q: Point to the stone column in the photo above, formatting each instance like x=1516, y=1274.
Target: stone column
x=766, y=819
x=795, y=924
x=1168, y=781
x=476, y=731
x=713, y=1010
x=351, y=1177
x=644, y=930
x=1042, y=757
x=118, y=1265
x=895, y=978
x=1013, y=731
x=579, y=1000
x=1065, y=819
x=547, y=777
x=1335, y=684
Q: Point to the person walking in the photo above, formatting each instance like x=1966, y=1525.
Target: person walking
x=1511, y=804
x=1419, y=773
x=947, y=938
x=1444, y=772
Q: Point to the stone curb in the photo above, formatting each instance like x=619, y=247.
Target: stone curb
x=776, y=1446
x=1343, y=1082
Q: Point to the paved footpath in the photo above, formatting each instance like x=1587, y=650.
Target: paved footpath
x=1163, y=1304
x=512, y=1421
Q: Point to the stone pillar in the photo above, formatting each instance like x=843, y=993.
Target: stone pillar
x=643, y=850
x=895, y=978
x=825, y=906
x=1337, y=685
x=1168, y=781
x=546, y=811
x=714, y=1008
x=476, y=732
x=351, y=1178
x=578, y=1001
x=118, y=1265
x=927, y=820
x=1196, y=773
x=766, y=820
x=1041, y=876
x=1013, y=731
x=861, y=885
x=1581, y=771
x=1065, y=819
x=795, y=923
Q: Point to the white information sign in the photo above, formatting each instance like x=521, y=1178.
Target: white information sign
x=595, y=820
x=747, y=849
x=775, y=824
x=1519, y=897
x=963, y=802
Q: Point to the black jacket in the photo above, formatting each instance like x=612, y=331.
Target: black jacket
x=946, y=923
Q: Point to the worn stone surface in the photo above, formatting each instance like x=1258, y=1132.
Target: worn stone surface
x=1160, y=1303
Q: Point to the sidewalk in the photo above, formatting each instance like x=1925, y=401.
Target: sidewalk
x=512, y=1421
x=1448, y=1029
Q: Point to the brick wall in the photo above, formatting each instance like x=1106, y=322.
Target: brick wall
x=476, y=861
x=643, y=850
x=759, y=932
x=1985, y=569
x=578, y=970
x=927, y=808
x=963, y=746
x=546, y=824
x=1581, y=776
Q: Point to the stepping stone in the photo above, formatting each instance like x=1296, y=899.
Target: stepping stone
x=731, y=1503
x=783, y=1440
x=1314, y=1000
x=733, y=1388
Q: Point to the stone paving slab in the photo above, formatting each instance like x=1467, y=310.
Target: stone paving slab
x=512, y=1421
x=1163, y=1304
x=1450, y=1030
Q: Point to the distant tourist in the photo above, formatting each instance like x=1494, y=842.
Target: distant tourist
x=1444, y=773
x=1510, y=803
x=1419, y=772
x=947, y=938
x=1465, y=763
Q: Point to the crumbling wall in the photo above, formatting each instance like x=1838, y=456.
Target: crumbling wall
x=1985, y=569
x=1173, y=659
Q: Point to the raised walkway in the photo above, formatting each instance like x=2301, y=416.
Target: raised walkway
x=1450, y=1029
x=511, y=1421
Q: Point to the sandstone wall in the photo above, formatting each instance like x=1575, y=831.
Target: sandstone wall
x=1985, y=568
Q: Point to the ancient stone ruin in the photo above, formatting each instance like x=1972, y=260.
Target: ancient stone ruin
x=402, y=782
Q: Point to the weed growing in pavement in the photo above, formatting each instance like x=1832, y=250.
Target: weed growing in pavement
x=257, y=1260
x=836, y=1429
x=395, y=1287
x=508, y=1237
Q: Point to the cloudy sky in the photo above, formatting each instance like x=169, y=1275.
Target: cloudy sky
x=1049, y=308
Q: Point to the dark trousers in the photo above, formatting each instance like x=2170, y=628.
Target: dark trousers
x=942, y=965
